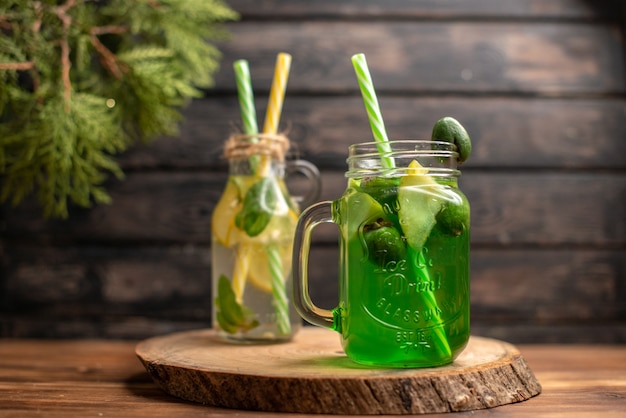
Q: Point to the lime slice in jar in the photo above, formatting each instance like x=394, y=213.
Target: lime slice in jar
x=362, y=209
x=419, y=201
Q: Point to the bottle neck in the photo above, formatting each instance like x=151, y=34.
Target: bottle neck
x=256, y=165
x=258, y=154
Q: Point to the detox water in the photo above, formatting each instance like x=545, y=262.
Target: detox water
x=252, y=274
x=404, y=256
x=413, y=301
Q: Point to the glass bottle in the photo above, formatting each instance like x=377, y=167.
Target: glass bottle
x=252, y=236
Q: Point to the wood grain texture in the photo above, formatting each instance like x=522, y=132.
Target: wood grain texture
x=507, y=132
x=433, y=9
x=539, y=84
x=312, y=375
x=512, y=208
x=481, y=57
x=61, y=378
x=172, y=284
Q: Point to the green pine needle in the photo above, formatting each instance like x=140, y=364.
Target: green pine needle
x=81, y=81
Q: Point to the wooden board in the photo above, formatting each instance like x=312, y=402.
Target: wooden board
x=311, y=374
x=60, y=378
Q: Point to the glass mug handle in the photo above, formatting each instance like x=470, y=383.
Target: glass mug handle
x=310, y=218
x=312, y=174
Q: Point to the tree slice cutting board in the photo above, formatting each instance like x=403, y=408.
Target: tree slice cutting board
x=311, y=374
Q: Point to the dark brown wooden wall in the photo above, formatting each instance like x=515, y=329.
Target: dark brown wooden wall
x=539, y=84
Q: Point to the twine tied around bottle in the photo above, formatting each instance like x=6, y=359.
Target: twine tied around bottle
x=247, y=145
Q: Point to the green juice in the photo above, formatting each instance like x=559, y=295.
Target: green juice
x=404, y=283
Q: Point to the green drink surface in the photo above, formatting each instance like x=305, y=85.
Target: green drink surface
x=406, y=305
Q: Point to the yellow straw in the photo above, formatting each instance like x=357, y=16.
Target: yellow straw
x=240, y=272
x=277, y=93
x=272, y=117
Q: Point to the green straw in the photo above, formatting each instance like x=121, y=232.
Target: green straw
x=246, y=97
x=373, y=110
x=430, y=302
x=246, y=104
x=248, y=119
x=281, y=302
x=382, y=143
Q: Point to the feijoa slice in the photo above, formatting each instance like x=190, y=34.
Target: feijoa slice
x=384, y=242
x=454, y=217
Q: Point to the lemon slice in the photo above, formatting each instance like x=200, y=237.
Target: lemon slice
x=223, y=219
x=278, y=233
x=252, y=263
x=260, y=275
x=241, y=270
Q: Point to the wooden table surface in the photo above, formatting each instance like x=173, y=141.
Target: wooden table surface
x=98, y=378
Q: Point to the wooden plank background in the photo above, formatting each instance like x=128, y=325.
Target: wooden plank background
x=539, y=84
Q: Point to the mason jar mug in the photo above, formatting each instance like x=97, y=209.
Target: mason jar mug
x=403, y=254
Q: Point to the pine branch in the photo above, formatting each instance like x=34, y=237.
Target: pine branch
x=82, y=80
x=20, y=66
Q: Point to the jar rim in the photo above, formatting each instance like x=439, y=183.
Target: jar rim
x=439, y=157
x=404, y=144
x=402, y=148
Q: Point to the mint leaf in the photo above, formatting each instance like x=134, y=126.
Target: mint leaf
x=259, y=204
x=231, y=316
